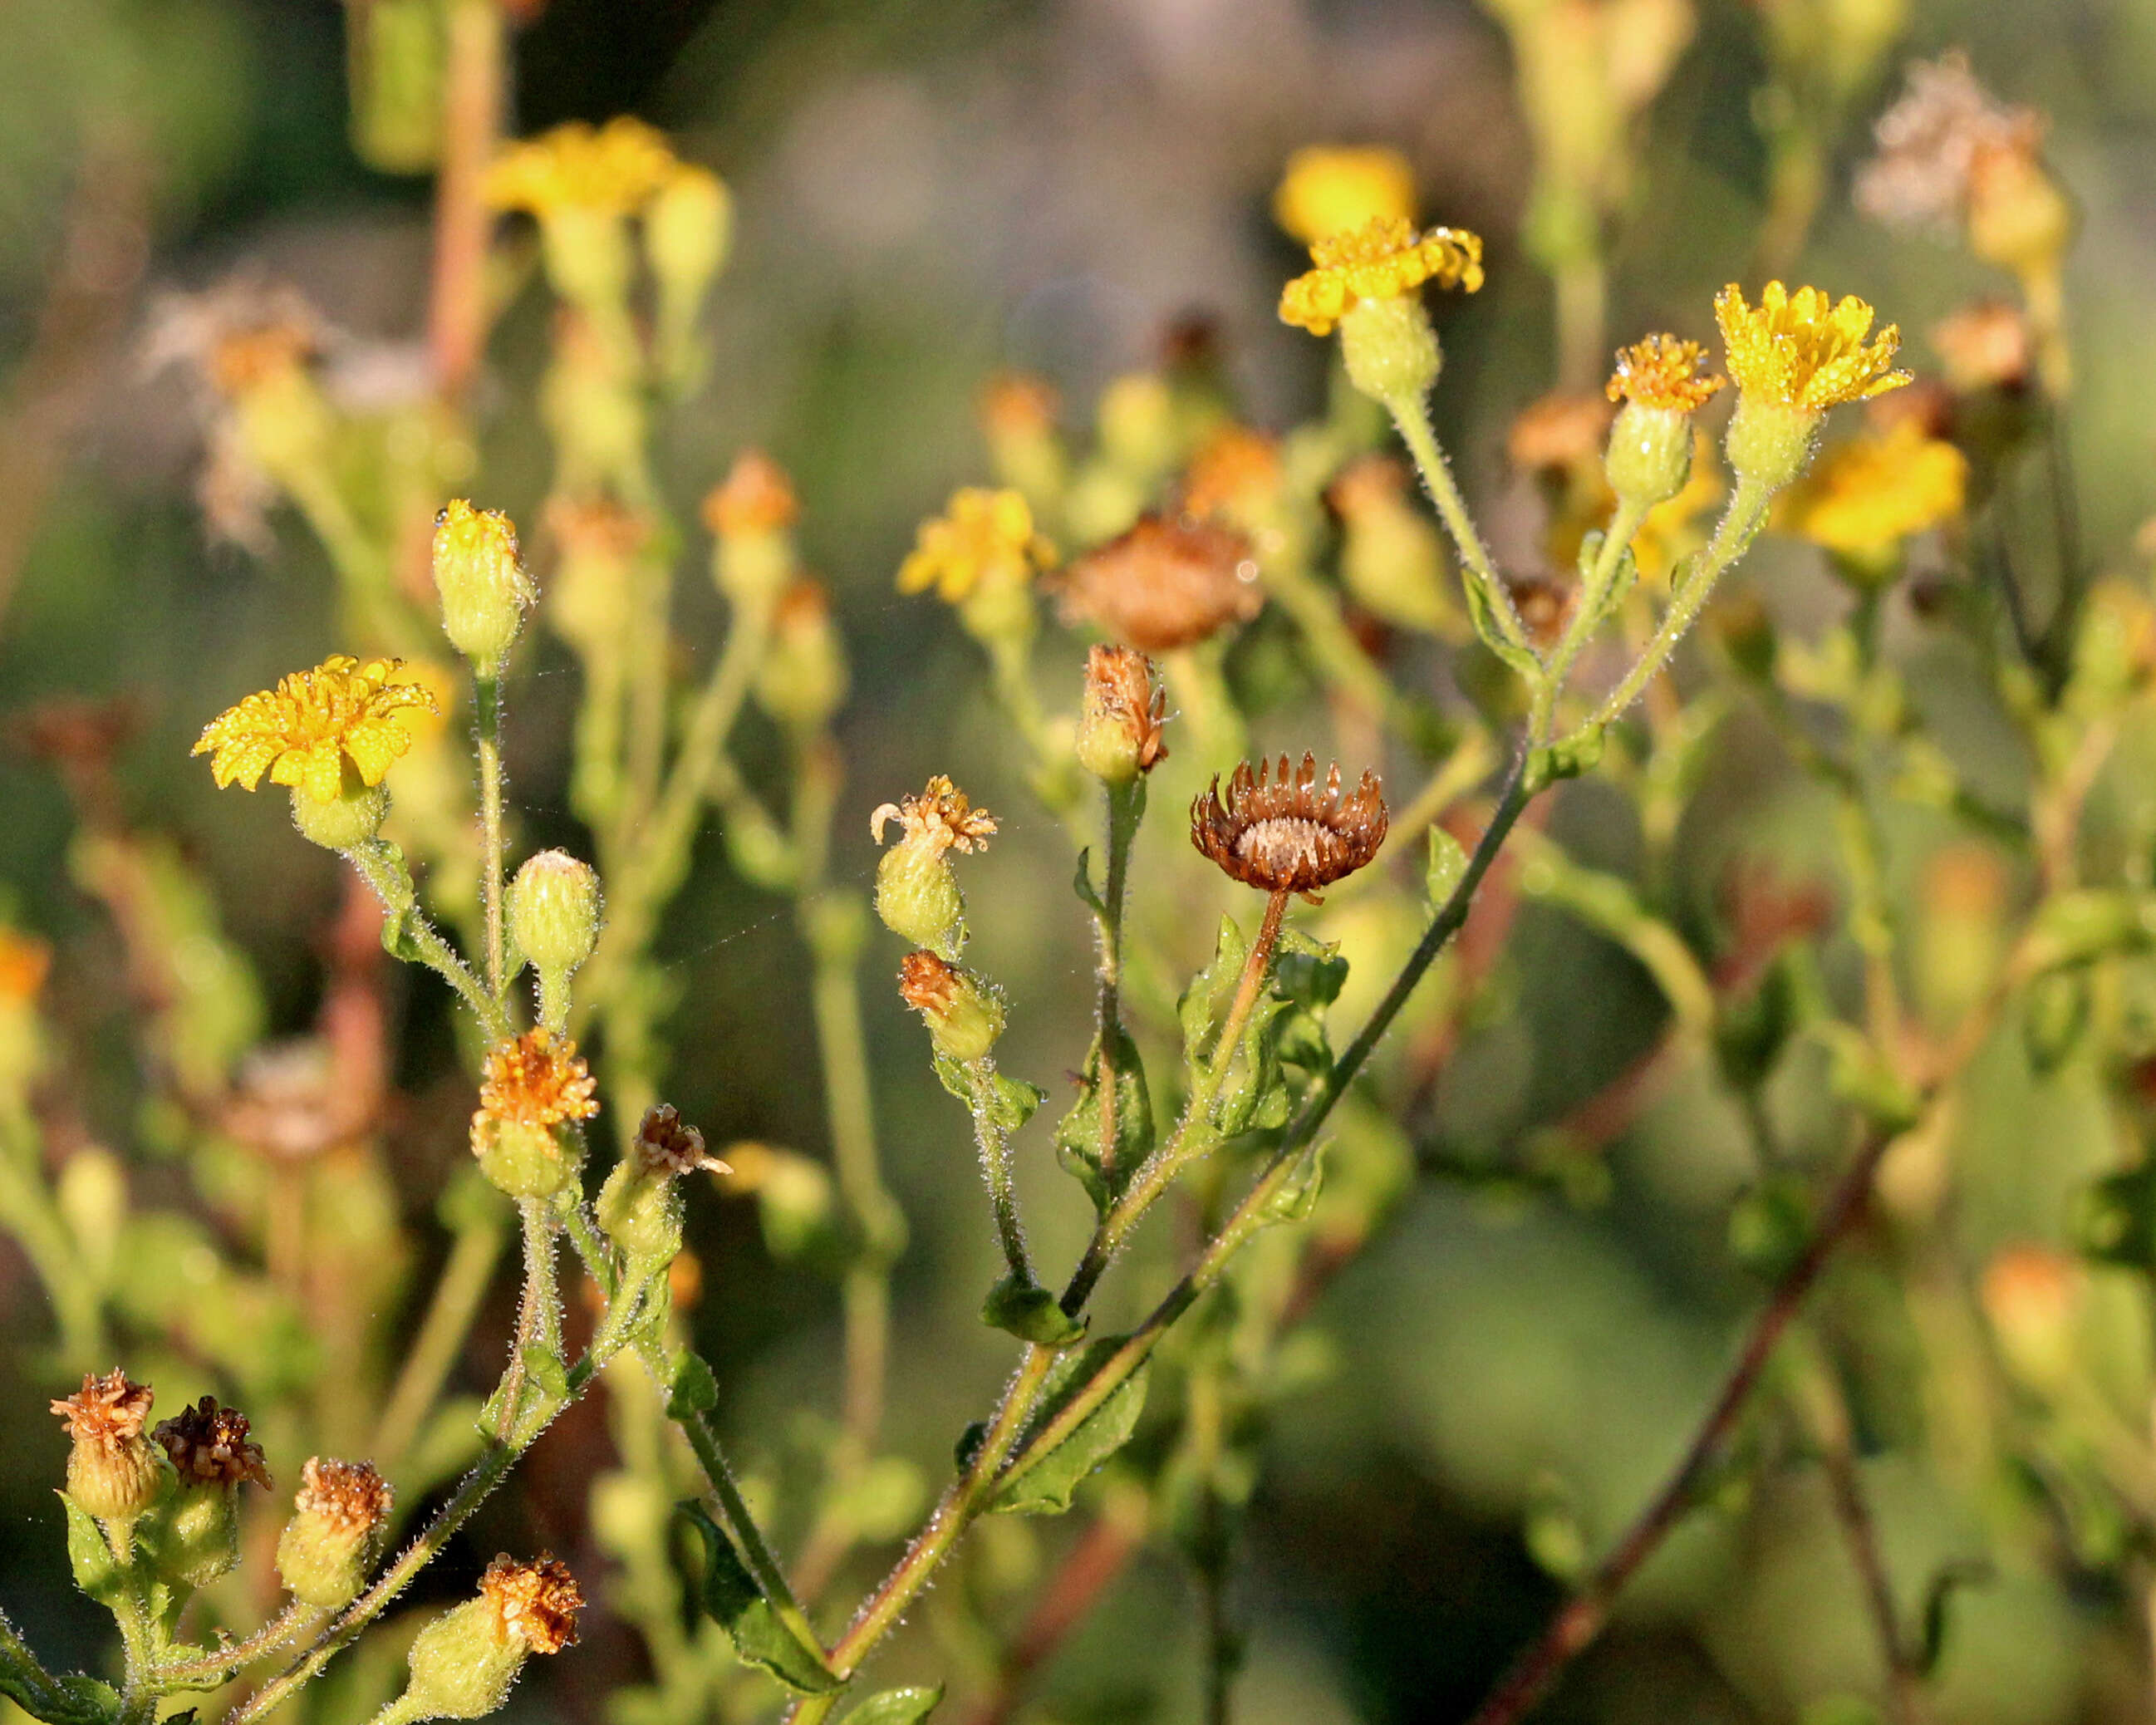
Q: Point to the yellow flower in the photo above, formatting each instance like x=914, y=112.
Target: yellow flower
x=538, y=1079
x=615, y=170
x=984, y=535
x=1662, y=372
x=1800, y=351
x=1328, y=189
x=1382, y=260
x=1877, y=489
x=301, y=732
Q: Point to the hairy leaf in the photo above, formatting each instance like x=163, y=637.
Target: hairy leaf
x=895, y=1707
x=1045, y=1487
x=1078, y=1133
x=761, y=1637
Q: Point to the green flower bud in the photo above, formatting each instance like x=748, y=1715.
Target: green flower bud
x=639, y=1206
x=339, y=1525
x=802, y=679
x=686, y=231
x=1136, y=424
x=463, y=1662
x=751, y=513
x=964, y=1014
x=1390, y=348
x=480, y=580
x=350, y=820
x=554, y=911
x=113, y=1471
x=195, y=1534
x=1649, y=455
x=587, y=257
x=917, y=895
x=1768, y=442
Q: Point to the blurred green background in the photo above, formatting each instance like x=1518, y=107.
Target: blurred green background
x=927, y=192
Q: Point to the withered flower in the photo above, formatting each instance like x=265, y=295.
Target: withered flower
x=536, y=1602
x=668, y=1145
x=340, y=1522
x=1124, y=711
x=1164, y=585
x=208, y=1445
x=1289, y=834
x=113, y=1472
x=106, y=1410
x=964, y=1015
x=538, y=1079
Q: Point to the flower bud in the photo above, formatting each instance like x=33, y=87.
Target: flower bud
x=686, y=230
x=480, y=580
x=917, y=895
x=1136, y=424
x=1768, y=442
x=2032, y=1298
x=339, y=1525
x=963, y=1013
x=554, y=911
x=1649, y=455
x=463, y=1662
x=1018, y=416
x=2018, y=219
x=533, y=1089
x=347, y=821
x=1389, y=349
x=113, y=1471
x=751, y=512
x=196, y=1537
x=587, y=259
x=1120, y=723
x=802, y=679
x=639, y=1207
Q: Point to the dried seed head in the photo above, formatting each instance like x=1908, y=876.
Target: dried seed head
x=666, y=1145
x=1289, y=834
x=348, y=1497
x=105, y=1410
x=940, y=818
x=339, y=1521
x=1120, y=723
x=535, y=1603
x=1164, y=585
x=209, y=1446
x=1931, y=142
x=927, y=983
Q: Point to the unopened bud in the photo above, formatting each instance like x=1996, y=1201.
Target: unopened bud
x=197, y=1536
x=480, y=580
x=554, y=909
x=639, y=1207
x=348, y=820
x=464, y=1661
x=752, y=511
x=1390, y=350
x=1120, y=723
x=686, y=230
x=2018, y=219
x=1136, y=424
x=802, y=679
x=2032, y=1298
x=340, y=1523
x=917, y=895
x=964, y=1014
x=113, y=1471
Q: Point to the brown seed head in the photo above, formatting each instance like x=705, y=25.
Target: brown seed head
x=1562, y=430
x=1164, y=585
x=941, y=818
x=209, y=1446
x=756, y=497
x=1019, y=404
x=1290, y=834
x=1236, y=472
x=350, y=1496
x=927, y=983
x=1122, y=702
x=538, y=1079
x=1985, y=345
x=669, y=1146
x=105, y=1410
x=536, y=1602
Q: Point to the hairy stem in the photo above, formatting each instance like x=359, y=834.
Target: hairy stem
x=380, y=865
x=487, y=707
x=286, y=1626
x=1411, y=414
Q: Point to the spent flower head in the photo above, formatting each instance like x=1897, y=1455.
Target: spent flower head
x=340, y=1522
x=965, y=1014
x=1120, y=723
x=1164, y=584
x=535, y=1602
x=669, y=1146
x=302, y=732
x=107, y=1409
x=917, y=894
x=1384, y=259
x=940, y=818
x=538, y=1079
x=113, y=1471
x=1931, y=142
x=208, y=1445
x=1287, y=833
x=756, y=497
x=1804, y=350
x=1332, y=188
x=983, y=538
x=1985, y=345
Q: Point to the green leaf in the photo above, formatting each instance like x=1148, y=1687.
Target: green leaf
x=97, y=1572
x=1296, y=1195
x=895, y=1707
x=1029, y=1311
x=1309, y=972
x=1478, y=610
x=1081, y=883
x=1045, y=1487
x=1206, y=999
x=1568, y=758
x=953, y=1075
x=1011, y=1101
x=1078, y=1133
x=695, y=1390
x=1446, y=868
x=761, y=1637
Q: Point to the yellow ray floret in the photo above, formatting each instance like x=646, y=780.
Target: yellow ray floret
x=1662, y=372
x=984, y=535
x=1878, y=489
x=616, y=170
x=1328, y=189
x=301, y=732
x=1382, y=260
x=1804, y=351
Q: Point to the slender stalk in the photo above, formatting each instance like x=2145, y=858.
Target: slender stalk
x=1587, y=611
x=993, y=1143
x=33, y=1219
x=487, y=705
x=1126, y=809
x=1411, y=414
x=1582, y=1617
x=286, y=1626
x=471, y=125
x=382, y=866
x=451, y=1311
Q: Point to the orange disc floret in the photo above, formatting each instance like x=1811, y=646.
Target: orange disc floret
x=537, y=1080
x=109, y=1409
x=1382, y=260
x=303, y=731
x=756, y=497
x=1662, y=372
x=1804, y=350
x=536, y=1603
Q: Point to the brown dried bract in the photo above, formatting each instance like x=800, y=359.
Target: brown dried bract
x=105, y=1410
x=208, y=1445
x=1120, y=691
x=536, y=1602
x=1290, y=834
x=350, y=1495
x=666, y=1143
x=538, y=1079
x=926, y=983
x=1164, y=584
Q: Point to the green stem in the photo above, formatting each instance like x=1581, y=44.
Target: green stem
x=1126, y=809
x=380, y=865
x=451, y=1312
x=288, y=1624
x=1588, y=610
x=995, y=1145
x=487, y=707
x=1411, y=414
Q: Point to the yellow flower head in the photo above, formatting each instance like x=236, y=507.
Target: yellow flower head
x=1877, y=489
x=614, y=170
x=1382, y=260
x=301, y=732
x=984, y=536
x=537, y=1080
x=1662, y=372
x=1802, y=351
x=1328, y=189
x=941, y=818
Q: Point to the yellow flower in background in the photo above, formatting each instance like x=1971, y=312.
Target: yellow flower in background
x=1804, y=352
x=301, y=732
x=1876, y=490
x=1330, y=188
x=1383, y=260
x=615, y=170
x=1662, y=372
x=983, y=536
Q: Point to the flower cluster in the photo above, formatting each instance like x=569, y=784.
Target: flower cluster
x=616, y=169
x=984, y=538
